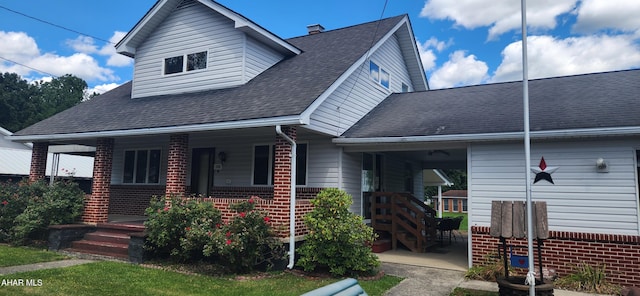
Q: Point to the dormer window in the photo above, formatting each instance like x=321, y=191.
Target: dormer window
x=194, y=61
x=378, y=74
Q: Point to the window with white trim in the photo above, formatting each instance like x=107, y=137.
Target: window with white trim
x=264, y=164
x=379, y=75
x=141, y=166
x=185, y=63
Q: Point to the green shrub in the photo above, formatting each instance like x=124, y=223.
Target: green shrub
x=167, y=226
x=191, y=231
x=247, y=242
x=28, y=208
x=588, y=278
x=338, y=239
x=489, y=270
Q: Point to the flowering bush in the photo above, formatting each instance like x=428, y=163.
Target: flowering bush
x=28, y=208
x=166, y=226
x=338, y=239
x=248, y=241
x=193, y=231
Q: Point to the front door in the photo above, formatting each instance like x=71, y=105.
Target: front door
x=202, y=171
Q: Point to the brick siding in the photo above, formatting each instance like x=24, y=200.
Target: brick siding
x=96, y=209
x=38, y=167
x=132, y=199
x=177, y=164
x=620, y=253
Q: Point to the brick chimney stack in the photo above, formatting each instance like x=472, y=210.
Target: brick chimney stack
x=315, y=29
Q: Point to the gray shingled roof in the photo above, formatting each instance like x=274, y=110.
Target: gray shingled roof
x=287, y=88
x=601, y=100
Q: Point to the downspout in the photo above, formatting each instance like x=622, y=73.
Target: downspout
x=292, y=203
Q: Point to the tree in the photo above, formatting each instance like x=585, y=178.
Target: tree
x=23, y=104
x=19, y=104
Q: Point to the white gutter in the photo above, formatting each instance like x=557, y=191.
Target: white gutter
x=568, y=133
x=262, y=122
x=292, y=202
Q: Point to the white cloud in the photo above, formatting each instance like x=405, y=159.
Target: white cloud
x=83, y=44
x=550, y=57
x=427, y=54
x=594, y=15
x=500, y=15
x=102, y=88
x=459, y=70
x=17, y=46
x=115, y=59
x=88, y=45
x=21, y=48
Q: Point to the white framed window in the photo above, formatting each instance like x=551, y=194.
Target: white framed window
x=264, y=164
x=405, y=87
x=141, y=166
x=185, y=63
x=379, y=75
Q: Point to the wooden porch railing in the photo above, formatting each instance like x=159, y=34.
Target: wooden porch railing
x=405, y=218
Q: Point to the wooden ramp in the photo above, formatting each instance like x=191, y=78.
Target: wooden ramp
x=405, y=219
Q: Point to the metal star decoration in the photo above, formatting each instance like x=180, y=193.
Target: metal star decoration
x=543, y=172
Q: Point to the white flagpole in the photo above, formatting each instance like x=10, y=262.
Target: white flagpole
x=527, y=150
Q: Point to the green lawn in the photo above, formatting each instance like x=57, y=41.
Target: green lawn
x=115, y=278
x=10, y=256
x=465, y=221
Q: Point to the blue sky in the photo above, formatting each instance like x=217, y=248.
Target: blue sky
x=463, y=42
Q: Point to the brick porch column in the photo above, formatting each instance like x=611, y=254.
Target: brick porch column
x=177, y=165
x=282, y=181
x=96, y=209
x=38, y=168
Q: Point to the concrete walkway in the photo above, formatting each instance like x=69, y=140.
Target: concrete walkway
x=433, y=281
x=43, y=265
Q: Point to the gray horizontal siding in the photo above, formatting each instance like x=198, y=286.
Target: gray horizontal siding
x=192, y=29
x=582, y=200
x=358, y=94
x=258, y=58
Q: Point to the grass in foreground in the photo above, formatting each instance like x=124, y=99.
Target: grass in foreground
x=115, y=278
x=11, y=256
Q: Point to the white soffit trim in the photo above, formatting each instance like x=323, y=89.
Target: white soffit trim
x=354, y=67
x=262, y=122
x=569, y=133
x=416, y=56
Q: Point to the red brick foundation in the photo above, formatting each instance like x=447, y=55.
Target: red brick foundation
x=620, y=253
x=303, y=206
x=132, y=199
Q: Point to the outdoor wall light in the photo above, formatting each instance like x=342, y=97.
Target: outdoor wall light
x=222, y=156
x=601, y=166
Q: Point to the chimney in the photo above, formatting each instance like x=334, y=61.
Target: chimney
x=315, y=29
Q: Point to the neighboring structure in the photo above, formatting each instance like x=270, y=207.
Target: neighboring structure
x=217, y=101
x=15, y=160
x=453, y=201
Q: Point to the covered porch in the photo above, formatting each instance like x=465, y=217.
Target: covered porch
x=215, y=166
